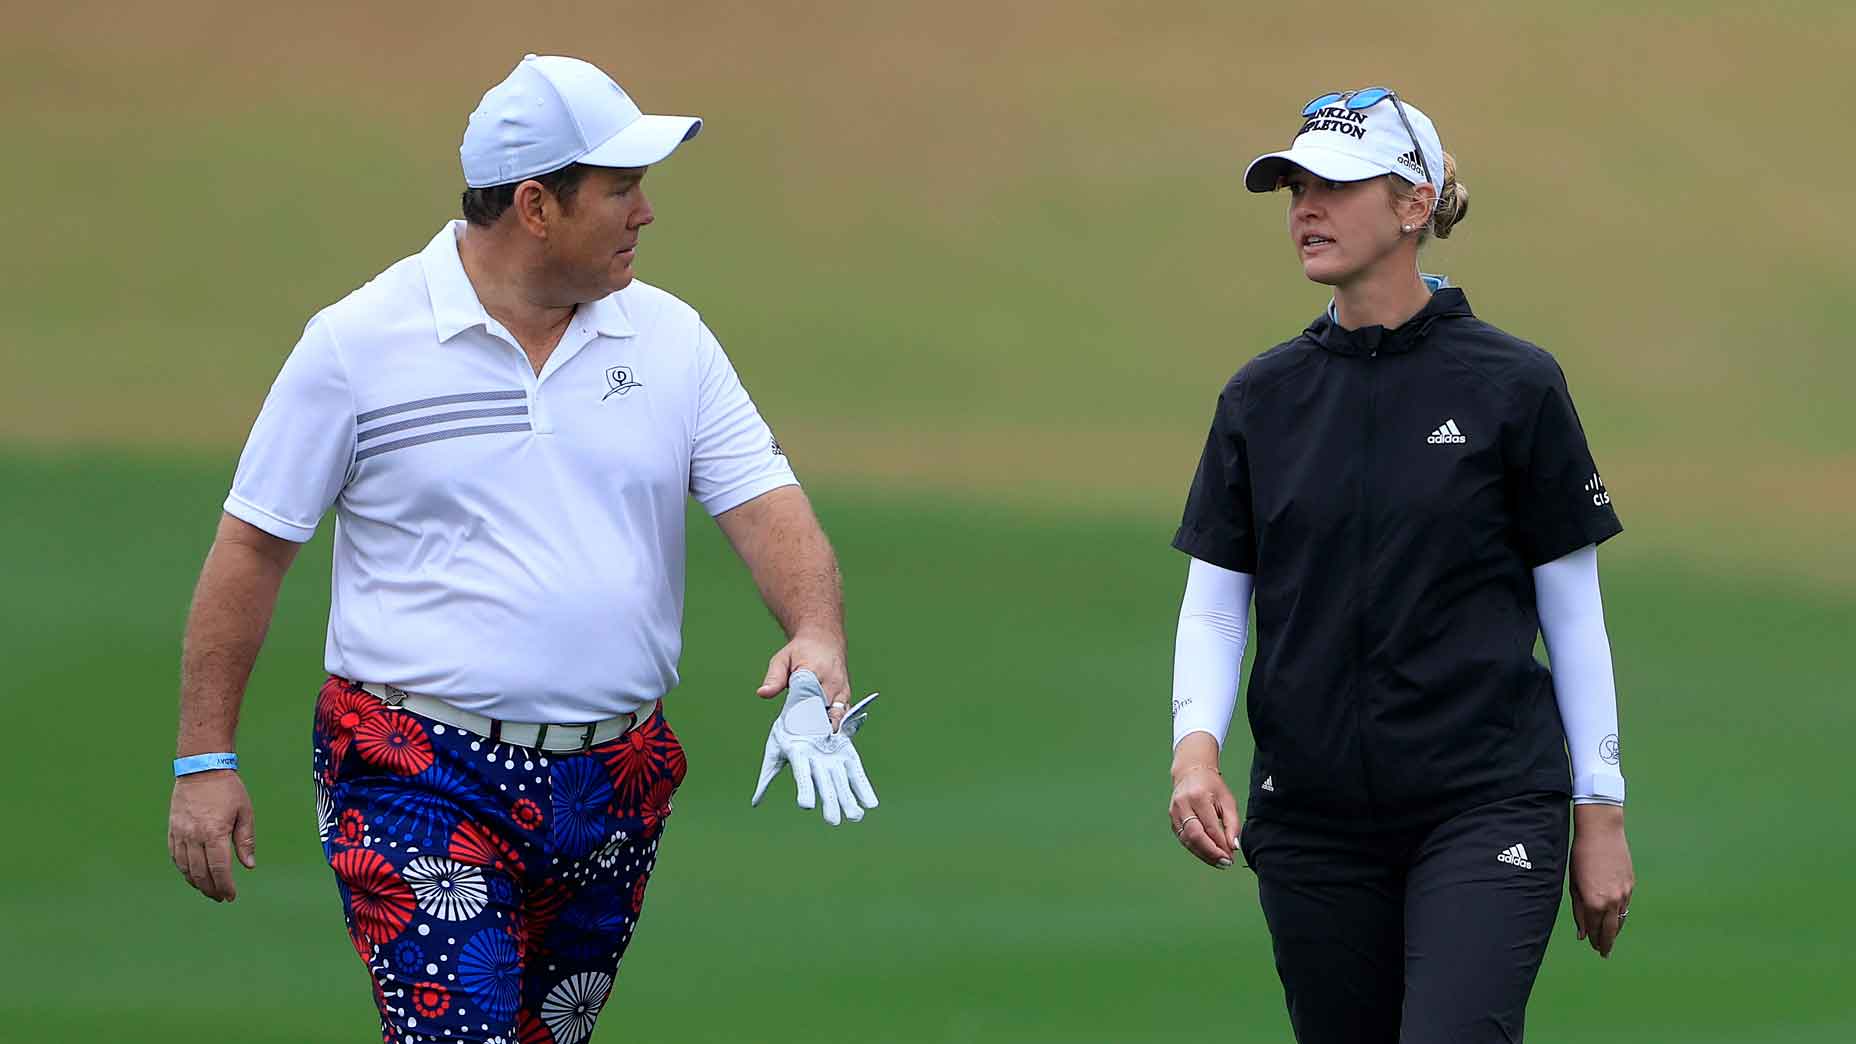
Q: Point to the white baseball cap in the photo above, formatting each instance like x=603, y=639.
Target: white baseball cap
x=553, y=111
x=1340, y=143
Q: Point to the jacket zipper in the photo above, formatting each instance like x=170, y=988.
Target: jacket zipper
x=1363, y=680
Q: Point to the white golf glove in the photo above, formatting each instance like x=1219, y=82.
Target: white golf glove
x=825, y=765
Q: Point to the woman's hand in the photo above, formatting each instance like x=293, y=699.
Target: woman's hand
x=1203, y=812
x=1602, y=879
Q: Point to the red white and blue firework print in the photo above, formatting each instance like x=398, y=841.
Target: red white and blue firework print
x=490, y=889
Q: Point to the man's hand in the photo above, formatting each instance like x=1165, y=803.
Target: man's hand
x=825, y=765
x=824, y=657
x=210, y=815
x=1203, y=811
x=1602, y=879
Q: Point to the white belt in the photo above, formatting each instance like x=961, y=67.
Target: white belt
x=566, y=737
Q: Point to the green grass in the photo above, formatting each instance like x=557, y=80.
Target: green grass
x=1018, y=884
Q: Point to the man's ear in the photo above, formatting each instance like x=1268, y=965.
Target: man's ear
x=531, y=206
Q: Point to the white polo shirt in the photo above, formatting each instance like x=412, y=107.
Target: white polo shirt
x=511, y=543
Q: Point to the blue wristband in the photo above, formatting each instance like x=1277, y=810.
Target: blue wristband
x=204, y=763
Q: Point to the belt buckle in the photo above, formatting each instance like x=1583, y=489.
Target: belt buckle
x=395, y=696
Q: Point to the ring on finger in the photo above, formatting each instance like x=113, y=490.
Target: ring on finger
x=1180, y=830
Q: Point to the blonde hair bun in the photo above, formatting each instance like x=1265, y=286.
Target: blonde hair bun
x=1452, y=203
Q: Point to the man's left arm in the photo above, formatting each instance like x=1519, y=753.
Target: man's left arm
x=792, y=563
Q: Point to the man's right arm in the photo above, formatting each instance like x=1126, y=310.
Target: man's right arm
x=210, y=811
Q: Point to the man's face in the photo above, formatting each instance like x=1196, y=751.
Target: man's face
x=593, y=244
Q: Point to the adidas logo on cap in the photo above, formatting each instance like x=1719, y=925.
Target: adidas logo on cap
x=1516, y=856
x=1411, y=162
x=1447, y=432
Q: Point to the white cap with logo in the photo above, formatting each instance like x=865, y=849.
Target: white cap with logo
x=553, y=111
x=1337, y=143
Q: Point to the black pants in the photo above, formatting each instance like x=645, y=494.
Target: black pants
x=1430, y=936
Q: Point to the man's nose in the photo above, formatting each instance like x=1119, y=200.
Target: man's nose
x=643, y=215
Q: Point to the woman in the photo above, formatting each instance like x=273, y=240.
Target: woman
x=1408, y=493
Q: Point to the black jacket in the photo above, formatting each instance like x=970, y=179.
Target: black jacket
x=1391, y=491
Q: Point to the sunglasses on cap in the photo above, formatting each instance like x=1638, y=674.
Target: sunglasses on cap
x=1356, y=101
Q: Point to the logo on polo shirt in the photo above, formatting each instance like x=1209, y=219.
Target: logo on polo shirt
x=620, y=381
x=1447, y=432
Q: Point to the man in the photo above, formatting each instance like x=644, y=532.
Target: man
x=507, y=425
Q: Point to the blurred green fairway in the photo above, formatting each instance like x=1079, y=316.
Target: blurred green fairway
x=1018, y=883
x=984, y=267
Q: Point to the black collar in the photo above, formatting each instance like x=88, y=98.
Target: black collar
x=1371, y=340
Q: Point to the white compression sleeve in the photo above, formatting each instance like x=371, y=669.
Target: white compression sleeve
x=1572, y=619
x=1208, y=652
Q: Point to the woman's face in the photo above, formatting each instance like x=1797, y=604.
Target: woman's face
x=1341, y=229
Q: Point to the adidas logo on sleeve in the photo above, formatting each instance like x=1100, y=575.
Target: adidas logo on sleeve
x=1447, y=432
x=1516, y=855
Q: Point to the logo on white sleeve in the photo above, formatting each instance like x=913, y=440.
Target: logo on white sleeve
x=1596, y=487
x=1447, y=433
x=1516, y=855
x=1608, y=749
x=620, y=380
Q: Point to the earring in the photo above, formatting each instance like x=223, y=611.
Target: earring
x=1405, y=229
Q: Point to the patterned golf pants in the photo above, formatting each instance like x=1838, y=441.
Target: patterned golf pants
x=490, y=889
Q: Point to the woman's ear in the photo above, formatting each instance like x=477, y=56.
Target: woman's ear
x=1414, y=206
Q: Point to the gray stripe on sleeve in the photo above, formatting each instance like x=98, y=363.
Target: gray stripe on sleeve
x=436, y=436
x=440, y=418
x=441, y=400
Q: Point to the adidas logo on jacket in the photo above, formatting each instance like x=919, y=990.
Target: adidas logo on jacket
x=1447, y=432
